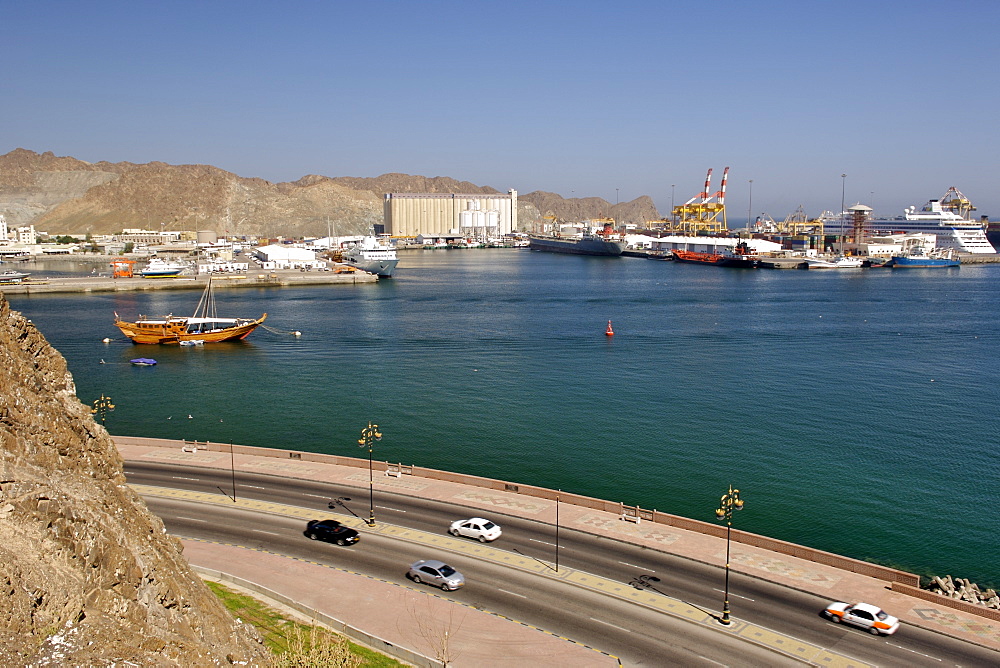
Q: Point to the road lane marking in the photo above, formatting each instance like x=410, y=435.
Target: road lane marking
x=734, y=595
x=177, y=477
x=191, y=519
x=262, y=531
x=535, y=540
x=914, y=651
x=614, y=626
x=511, y=593
x=632, y=565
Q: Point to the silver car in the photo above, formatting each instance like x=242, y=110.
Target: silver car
x=436, y=573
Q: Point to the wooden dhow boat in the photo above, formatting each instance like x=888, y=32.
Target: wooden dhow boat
x=204, y=326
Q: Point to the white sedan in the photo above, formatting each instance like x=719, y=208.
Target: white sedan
x=482, y=530
x=869, y=617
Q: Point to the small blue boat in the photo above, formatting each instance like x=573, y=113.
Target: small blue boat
x=917, y=258
x=143, y=361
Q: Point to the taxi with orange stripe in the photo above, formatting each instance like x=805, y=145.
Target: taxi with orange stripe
x=869, y=617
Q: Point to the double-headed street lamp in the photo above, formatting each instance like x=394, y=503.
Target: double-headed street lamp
x=369, y=435
x=730, y=501
x=102, y=406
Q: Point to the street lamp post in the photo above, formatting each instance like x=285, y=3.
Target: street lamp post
x=369, y=435
x=730, y=501
x=843, y=185
x=102, y=406
x=750, y=204
x=672, y=185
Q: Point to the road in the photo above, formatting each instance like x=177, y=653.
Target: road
x=636, y=632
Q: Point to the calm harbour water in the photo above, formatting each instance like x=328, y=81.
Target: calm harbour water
x=855, y=410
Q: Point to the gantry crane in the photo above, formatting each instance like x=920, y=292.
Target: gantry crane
x=705, y=212
x=956, y=202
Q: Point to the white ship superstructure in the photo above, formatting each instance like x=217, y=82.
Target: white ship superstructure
x=937, y=217
x=372, y=255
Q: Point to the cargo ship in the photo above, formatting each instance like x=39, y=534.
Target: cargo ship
x=599, y=243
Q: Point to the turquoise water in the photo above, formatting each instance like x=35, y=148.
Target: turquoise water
x=855, y=410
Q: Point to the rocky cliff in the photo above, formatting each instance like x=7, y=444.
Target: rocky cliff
x=89, y=577
x=63, y=195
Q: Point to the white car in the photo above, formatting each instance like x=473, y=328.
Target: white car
x=866, y=616
x=476, y=527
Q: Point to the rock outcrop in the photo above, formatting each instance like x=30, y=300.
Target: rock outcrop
x=88, y=576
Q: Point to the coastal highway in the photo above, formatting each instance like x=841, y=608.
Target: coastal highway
x=637, y=634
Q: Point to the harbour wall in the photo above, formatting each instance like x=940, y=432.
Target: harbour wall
x=280, y=278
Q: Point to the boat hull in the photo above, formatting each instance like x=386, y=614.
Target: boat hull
x=601, y=247
x=900, y=262
x=381, y=268
x=175, y=330
x=11, y=277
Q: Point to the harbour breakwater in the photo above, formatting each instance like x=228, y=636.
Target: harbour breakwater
x=280, y=278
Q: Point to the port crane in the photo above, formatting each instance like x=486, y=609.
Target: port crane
x=956, y=202
x=706, y=211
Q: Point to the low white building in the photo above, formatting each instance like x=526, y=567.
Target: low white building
x=286, y=257
x=699, y=244
x=223, y=267
x=897, y=244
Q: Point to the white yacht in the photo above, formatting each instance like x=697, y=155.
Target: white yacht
x=160, y=268
x=372, y=255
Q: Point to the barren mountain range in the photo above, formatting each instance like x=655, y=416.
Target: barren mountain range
x=63, y=195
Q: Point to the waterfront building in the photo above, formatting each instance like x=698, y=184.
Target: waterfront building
x=286, y=257
x=488, y=215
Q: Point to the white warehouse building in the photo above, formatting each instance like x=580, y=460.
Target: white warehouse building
x=286, y=257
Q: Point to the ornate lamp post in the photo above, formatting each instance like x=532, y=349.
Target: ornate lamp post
x=730, y=501
x=369, y=435
x=102, y=406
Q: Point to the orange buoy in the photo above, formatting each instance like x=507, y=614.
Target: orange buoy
x=609, y=332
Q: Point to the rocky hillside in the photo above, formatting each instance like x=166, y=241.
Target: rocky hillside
x=63, y=195
x=88, y=575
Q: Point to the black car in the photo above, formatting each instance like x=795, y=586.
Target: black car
x=331, y=531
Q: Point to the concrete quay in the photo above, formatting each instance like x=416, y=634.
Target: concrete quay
x=376, y=608
x=37, y=284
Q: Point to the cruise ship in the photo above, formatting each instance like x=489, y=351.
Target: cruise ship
x=937, y=217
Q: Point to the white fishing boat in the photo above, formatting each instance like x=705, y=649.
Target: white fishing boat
x=371, y=254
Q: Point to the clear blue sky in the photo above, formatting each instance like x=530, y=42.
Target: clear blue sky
x=608, y=99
